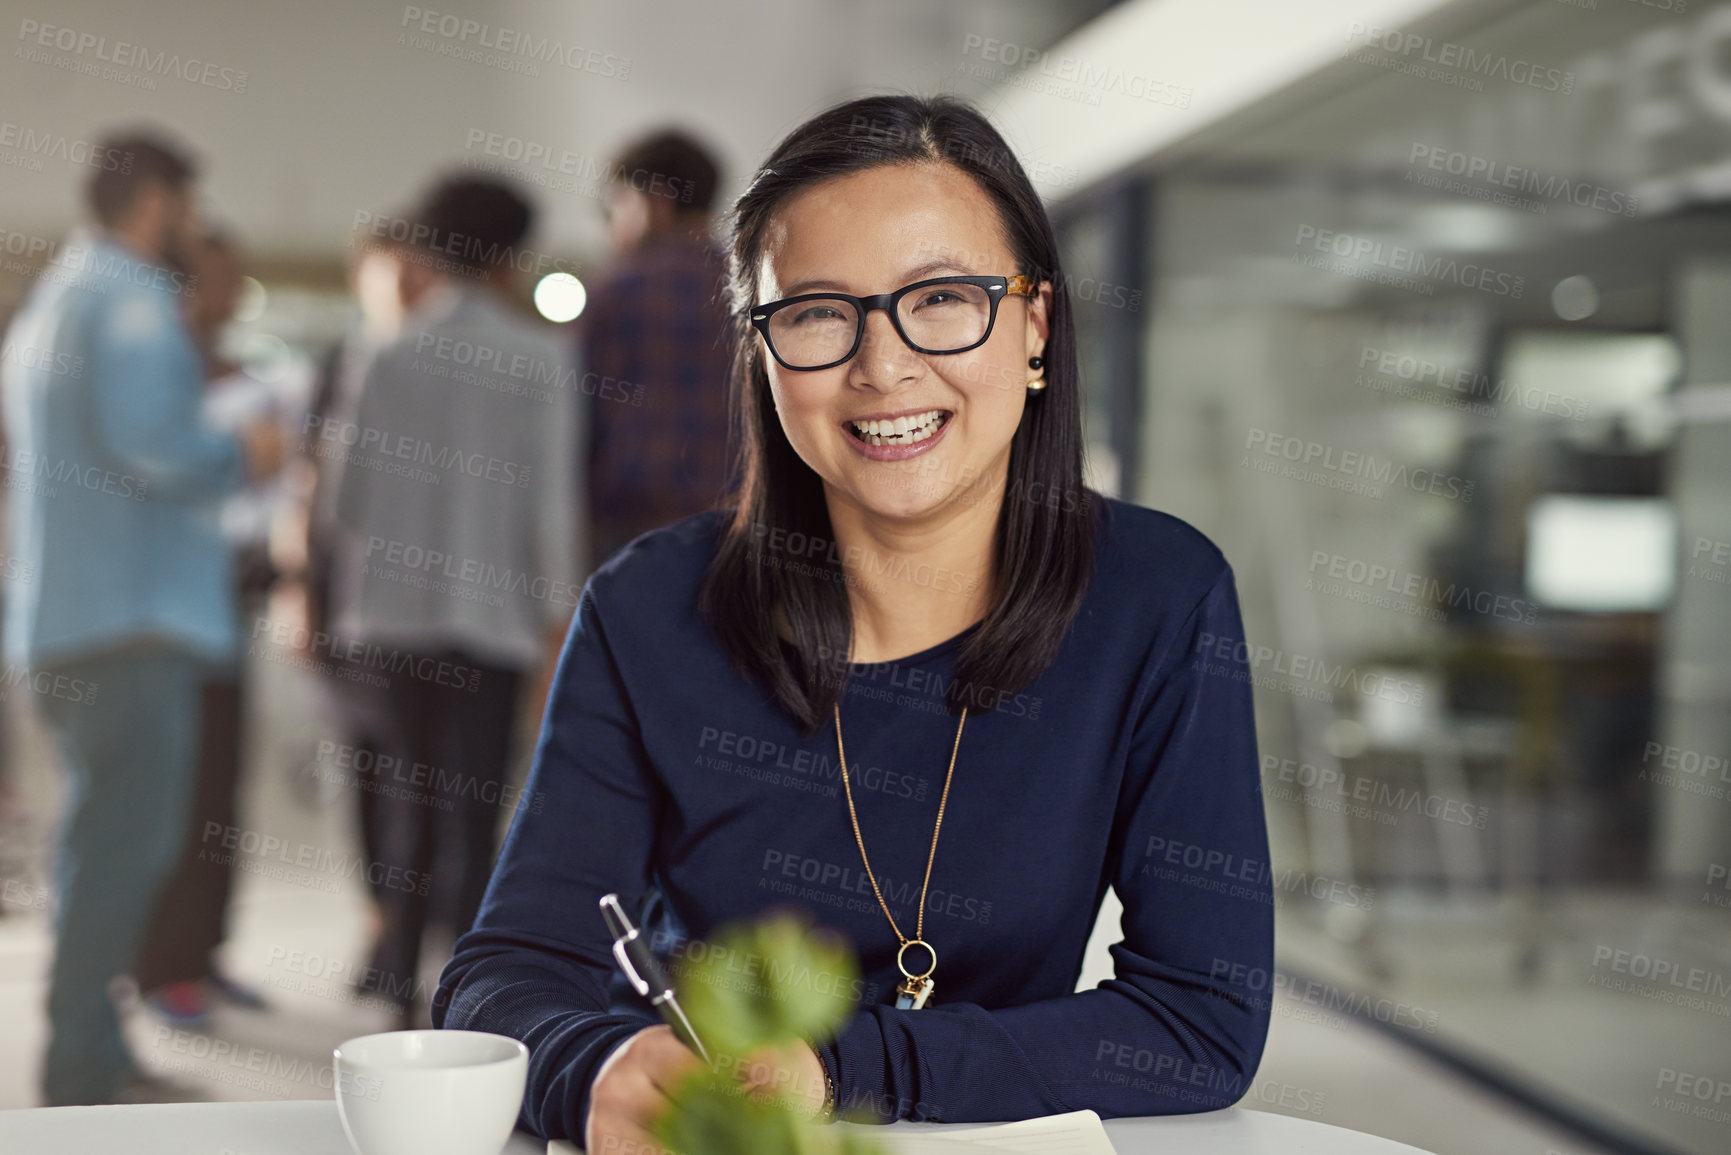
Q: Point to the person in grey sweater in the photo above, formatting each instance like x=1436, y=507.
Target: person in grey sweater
x=455, y=566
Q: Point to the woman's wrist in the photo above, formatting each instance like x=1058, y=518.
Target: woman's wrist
x=607, y=1063
x=826, y=1112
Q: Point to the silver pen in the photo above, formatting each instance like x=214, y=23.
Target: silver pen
x=645, y=973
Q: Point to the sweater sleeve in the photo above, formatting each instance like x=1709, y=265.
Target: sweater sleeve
x=1173, y=1031
x=536, y=964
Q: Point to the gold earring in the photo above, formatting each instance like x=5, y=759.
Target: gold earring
x=1037, y=383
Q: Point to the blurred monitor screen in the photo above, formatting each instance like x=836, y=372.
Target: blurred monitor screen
x=1571, y=374
x=1601, y=554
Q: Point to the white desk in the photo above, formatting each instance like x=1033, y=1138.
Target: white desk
x=311, y=1127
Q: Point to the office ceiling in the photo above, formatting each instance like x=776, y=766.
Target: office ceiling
x=309, y=113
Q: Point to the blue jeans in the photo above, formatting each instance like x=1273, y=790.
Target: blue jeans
x=126, y=723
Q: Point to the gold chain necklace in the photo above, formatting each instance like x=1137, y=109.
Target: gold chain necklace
x=912, y=994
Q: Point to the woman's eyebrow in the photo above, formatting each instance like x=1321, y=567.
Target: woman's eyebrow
x=908, y=276
x=940, y=265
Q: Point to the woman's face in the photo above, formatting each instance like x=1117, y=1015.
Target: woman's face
x=873, y=232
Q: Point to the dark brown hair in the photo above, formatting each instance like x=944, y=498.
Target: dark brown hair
x=688, y=170
x=146, y=159
x=474, y=221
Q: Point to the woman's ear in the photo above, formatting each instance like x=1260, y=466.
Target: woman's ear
x=1040, y=319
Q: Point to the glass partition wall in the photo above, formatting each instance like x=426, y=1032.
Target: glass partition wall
x=1440, y=367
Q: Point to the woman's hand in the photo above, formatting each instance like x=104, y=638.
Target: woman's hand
x=634, y=1090
x=793, y=1071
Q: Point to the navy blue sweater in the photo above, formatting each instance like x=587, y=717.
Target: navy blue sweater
x=1131, y=762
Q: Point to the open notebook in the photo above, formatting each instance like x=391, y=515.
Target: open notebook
x=1075, y=1133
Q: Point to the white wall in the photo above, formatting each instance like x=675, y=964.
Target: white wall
x=338, y=117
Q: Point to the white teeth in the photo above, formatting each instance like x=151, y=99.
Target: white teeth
x=900, y=430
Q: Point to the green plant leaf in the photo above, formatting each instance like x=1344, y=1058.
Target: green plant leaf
x=767, y=983
x=708, y=1116
x=761, y=984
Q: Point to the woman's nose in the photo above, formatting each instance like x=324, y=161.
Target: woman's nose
x=883, y=356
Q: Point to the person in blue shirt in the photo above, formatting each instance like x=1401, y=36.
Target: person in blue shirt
x=913, y=678
x=122, y=597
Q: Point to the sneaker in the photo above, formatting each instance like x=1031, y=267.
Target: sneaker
x=237, y=993
x=181, y=1005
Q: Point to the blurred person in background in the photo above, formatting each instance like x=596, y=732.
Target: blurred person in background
x=176, y=965
x=311, y=526
x=656, y=345
x=128, y=596
x=455, y=557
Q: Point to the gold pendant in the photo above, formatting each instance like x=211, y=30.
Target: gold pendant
x=916, y=989
x=913, y=993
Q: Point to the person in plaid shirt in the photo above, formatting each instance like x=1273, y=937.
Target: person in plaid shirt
x=657, y=348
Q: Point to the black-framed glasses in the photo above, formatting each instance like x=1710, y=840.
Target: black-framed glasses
x=940, y=315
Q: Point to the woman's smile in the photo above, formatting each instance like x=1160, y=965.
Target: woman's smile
x=899, y=435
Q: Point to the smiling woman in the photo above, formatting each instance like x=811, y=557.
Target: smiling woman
x=874, y=196
x=905, y=395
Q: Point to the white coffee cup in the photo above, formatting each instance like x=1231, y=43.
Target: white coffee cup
x=430, y=1092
